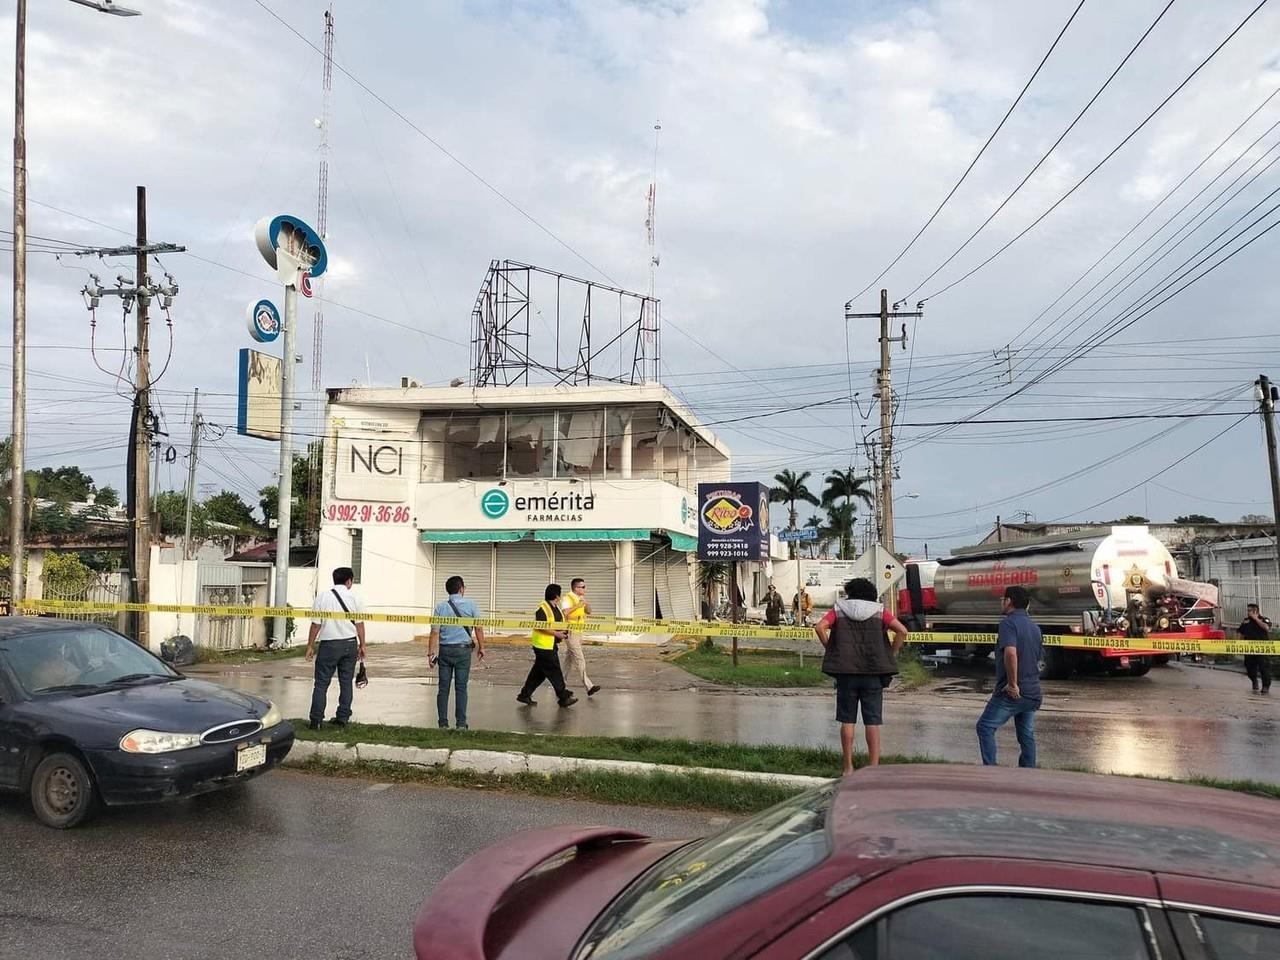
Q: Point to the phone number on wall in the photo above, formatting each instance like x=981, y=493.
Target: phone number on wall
x=366, y=513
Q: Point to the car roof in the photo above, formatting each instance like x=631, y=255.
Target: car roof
x=907, y=812
x=22, y=626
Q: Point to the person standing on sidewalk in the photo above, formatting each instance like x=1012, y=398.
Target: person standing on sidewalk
x=546, y=661
x=1257, y=665
x=449, y=648
x=576, y=610
x=1017, y=695
x=772, y=607
x=340, y=645
x=861, y=660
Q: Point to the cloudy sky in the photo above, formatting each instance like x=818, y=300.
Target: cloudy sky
x=803, y=144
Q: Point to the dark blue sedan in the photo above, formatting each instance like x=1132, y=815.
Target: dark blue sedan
x=88, y=716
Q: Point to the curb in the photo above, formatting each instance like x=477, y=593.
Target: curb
x=507, y=763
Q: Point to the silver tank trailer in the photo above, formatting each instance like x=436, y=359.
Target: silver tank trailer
x=1069, y=581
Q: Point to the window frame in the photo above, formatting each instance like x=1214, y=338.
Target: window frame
x=1161, y=943
x=1184, y=916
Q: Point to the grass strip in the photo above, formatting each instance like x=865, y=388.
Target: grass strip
x=807, y=761
x=690, y=791
x=755, y=668
x=251, y=655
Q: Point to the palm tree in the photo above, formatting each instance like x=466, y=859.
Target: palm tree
x=846, y=485
x=842, y=518
x=712, y=574
x=791, y=489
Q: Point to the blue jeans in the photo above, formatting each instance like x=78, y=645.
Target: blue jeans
x=455, y=670
x=334, y=656
x=998, y=712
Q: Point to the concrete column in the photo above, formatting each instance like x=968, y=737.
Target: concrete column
x=626, y=548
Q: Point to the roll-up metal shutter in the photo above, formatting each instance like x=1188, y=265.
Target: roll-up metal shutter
x=643, y=583
x=597, y=564
x=682, y=605
x=524, y=570
x=473, y=562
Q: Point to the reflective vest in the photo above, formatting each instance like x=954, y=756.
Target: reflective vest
x=545, y=639
x=578, y=613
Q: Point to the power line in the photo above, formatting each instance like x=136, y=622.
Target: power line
x=1045, y=156
x=978, y=156
x=1098, y=166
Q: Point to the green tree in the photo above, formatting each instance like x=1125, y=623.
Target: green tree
x=107, y=497
x=1256, y=518
x=171, y=509
x=306, y=508
x=847, y=486
x=842, y=519
x=228, y=507
x=1194, y=518
x=64, y=484
x=1132, y=518
x=790, y=488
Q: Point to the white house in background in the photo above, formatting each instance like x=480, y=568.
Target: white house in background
x=512, y=488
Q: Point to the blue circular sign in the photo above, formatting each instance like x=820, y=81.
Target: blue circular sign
x=264, y=321
x=495, y=504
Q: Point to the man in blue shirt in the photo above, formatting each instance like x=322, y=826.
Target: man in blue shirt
x=450, y=647
x=1017, y=695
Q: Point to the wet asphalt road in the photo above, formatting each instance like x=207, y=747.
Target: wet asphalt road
x=291, y=865
x=1178, y=721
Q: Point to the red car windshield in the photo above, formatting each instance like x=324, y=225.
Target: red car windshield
x=709, y=878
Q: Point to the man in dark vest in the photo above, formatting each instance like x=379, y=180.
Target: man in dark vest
x=861, y=660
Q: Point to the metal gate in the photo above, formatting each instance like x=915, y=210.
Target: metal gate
x=102, y=588
x=595, y=563
x=231, y=585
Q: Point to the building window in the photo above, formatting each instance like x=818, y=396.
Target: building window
x=530, y=439
x=580, y=449
x=357, y=553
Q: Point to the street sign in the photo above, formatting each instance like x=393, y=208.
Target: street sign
x=804, y=533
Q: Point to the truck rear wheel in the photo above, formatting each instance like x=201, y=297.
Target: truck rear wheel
x=1056, y=664
x=1140, y=669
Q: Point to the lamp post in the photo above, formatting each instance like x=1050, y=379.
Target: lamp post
x=18, y=443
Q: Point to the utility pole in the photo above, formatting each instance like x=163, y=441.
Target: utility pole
x=18, y=443
x=192, y=456
x=137, y=465
x=1267, y=408
x=886, y=408
x=139, y=501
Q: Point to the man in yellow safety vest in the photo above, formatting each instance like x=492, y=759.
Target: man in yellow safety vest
x=576, y=608
x=546, y=661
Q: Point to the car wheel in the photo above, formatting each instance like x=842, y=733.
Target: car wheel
x=62, y=792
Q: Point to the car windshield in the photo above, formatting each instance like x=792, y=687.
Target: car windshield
x=85, y=657
x=709, y=878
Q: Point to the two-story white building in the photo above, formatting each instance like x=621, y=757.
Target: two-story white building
x=513, y=488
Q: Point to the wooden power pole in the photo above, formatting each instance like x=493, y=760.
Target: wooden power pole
x=1267, y=409
x=139, y=463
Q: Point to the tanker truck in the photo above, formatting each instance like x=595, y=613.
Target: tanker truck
x=1123, y=583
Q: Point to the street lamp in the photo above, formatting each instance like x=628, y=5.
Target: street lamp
x=18, y=442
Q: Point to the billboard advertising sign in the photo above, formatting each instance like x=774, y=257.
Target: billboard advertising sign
x=733, y=521
x=258, y=407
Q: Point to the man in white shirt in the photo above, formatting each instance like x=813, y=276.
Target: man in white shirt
x=341, y=644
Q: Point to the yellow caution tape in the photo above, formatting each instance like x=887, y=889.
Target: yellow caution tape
x=697, y=628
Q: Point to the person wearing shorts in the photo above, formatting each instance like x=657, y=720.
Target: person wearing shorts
x=862, y=661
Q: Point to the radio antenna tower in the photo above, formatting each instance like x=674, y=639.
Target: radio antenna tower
x=322, y=200
x=651, y=217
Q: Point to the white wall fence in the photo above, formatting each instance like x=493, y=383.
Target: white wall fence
x=1238, y=592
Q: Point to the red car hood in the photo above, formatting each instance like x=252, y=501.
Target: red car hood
x=491, y=907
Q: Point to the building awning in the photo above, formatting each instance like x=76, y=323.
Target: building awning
x=682, y=541
x=591, y=535
x=473, y=536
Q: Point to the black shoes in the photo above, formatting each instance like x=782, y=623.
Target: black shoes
x=314, y=724
x=569, y=701
x=595, y=688
x=338, y=723
x=527, y=700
